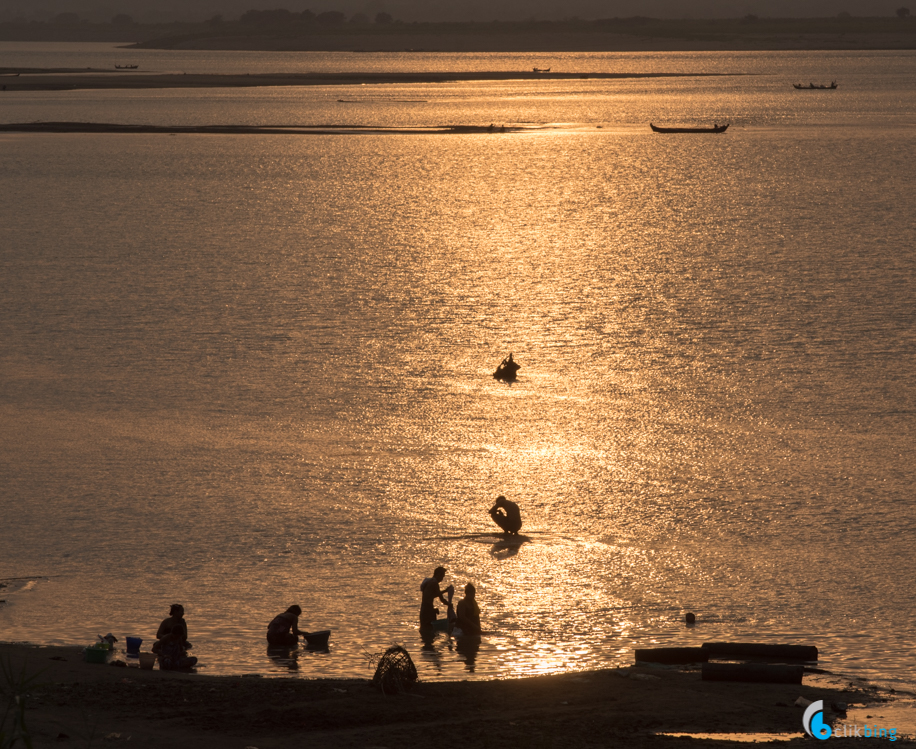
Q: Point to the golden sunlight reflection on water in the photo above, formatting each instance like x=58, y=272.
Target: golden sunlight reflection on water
x=244, y=372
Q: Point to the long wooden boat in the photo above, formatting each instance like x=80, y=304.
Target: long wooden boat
x=714, y=129
x=542, y=70
x=815, y=87
x=127, y=67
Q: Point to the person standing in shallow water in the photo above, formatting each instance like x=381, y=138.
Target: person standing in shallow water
x=430, y=591
x=283, y=630
x=468, y=622
x=510, y=520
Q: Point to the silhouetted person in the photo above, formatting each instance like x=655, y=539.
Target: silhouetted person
x=172, y=653
x=175, y=619
x=283, y=630
x=468, y=612
x=507, y=369
x=429, y=590
x=511, y=520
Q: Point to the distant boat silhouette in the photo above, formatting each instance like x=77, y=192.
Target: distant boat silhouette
x=542, y=70
x=714, y=129
x=815, y=87
x=127, y=67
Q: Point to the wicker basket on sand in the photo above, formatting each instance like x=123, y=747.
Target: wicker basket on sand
x=395, y=672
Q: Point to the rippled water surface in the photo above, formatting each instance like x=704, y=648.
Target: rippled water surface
x=242, y=372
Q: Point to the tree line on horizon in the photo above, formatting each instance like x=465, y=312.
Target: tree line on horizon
x=281, y=17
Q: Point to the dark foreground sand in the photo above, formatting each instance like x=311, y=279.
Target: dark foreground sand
x=78, y=704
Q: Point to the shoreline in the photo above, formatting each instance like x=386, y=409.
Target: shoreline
x=65, y=79
x=628, y=707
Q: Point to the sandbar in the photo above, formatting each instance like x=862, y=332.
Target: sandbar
x=52, y=79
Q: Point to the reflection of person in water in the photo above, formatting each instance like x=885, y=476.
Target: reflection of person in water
x=511, y=520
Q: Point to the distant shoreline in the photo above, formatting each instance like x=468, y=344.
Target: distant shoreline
x=286, y=31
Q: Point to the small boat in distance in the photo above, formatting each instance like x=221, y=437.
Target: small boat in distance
x=815, y=87
x=714, y=129
x=542, y=70
x=126, y=67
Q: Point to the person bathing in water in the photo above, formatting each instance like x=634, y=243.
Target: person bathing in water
x=510, y=520
x=468, y=615
x=430, y=591
x=283, y=630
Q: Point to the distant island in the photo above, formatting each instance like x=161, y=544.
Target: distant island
x=283, y=30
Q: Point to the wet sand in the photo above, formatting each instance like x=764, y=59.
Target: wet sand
x=73, y=703
x=51, y=79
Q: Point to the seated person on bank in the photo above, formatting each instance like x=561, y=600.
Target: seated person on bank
x=468, y=614
x=283, y=630
x=511, y=520
x=175, y=619
x=171, y=651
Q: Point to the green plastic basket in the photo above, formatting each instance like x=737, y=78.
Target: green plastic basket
x=96, y=655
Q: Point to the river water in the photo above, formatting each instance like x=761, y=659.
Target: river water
x=242, y=372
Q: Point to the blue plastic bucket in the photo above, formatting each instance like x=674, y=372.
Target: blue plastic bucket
x=133, y=645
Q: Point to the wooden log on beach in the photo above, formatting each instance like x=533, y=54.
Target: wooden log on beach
x=760, y=650
x=672, y=655
x=762, y=673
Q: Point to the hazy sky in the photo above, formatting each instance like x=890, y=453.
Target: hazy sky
x=452, y=10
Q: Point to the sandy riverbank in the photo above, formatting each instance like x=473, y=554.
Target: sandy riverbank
x=106, y=705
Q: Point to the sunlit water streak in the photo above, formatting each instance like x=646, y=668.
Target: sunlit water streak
x=246, y=371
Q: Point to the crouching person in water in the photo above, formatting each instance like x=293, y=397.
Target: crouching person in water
x=172, y=653
x=283, y=630
x=511, y=520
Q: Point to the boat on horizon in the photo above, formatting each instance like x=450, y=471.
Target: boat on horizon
x=714, y=129
x=542, y=70
x=815, y=86
x=126, y=67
